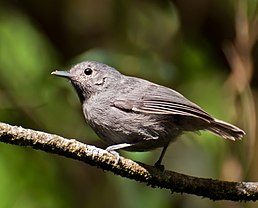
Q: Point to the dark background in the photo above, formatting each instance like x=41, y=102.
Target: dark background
x=206, y=49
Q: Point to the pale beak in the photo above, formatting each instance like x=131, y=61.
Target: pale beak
x=65, y=74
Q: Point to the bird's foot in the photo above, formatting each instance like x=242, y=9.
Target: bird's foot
x=159, y=166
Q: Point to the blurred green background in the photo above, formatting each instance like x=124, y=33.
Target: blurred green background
x=205, y=49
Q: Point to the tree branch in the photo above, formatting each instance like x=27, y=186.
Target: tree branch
x=176, y=182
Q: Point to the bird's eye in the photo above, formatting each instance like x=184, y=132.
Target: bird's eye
x=88, y=71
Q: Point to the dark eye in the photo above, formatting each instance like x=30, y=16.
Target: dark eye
x=88, y=71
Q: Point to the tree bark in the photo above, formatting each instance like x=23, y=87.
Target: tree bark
x=175, y=182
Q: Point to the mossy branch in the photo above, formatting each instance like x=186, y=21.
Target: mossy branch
x=176, y=182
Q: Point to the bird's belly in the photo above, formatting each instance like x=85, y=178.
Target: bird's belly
x=143, y=131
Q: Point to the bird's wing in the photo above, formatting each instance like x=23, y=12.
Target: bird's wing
x=162, y=100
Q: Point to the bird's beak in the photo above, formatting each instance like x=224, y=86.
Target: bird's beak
x=64, y=74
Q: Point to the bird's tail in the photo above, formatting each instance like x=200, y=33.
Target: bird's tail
x=226, y=130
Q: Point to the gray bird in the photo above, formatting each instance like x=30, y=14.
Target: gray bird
x=137, y=115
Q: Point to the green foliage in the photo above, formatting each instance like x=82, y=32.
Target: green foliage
x=144, y=39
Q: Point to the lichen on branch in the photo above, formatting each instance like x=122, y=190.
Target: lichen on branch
x=176, y=182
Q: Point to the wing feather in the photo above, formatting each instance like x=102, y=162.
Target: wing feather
x=168, y=107
x=161, y=100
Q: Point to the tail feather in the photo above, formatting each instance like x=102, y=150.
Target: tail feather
x=226, y=130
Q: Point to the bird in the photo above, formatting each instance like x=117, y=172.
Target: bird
x=135, y=114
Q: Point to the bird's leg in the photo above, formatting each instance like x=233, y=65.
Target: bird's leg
x=158, y=163
x=117, y=146
x=112, y=149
